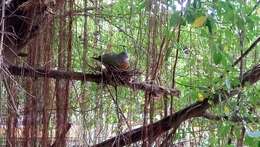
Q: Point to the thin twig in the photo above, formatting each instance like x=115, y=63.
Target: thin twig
x=247, y=51
x=2, y=32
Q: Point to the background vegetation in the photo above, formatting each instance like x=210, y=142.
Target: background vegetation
x=189, y=45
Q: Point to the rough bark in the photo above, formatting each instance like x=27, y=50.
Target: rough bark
x=23, y=20
x=62, y=85
x=30, y=115
x=47, y=86
x=97, y=78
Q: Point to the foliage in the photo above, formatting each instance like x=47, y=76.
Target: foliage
x=211, y=31
x=202, y=38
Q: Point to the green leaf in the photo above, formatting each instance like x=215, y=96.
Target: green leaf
x=175, y=19
x=224, y=129
x=190, y=15
x=252, y=142
x=200, y=97
x=209, y=25
x=228, y=84
x=141, y=6
x=240, y=22
x=217, y=56
x=227, y=60
x=168, y=53
x=197, y=4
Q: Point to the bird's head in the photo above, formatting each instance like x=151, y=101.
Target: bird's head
x=123, y=55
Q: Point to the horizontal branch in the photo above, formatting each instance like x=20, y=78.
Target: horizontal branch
x=109, y=79
x=56, y=74
x=173, y=121
x=233, y=118
x=155, y=90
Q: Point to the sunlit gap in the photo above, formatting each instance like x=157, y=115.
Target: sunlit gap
x=175, y=6
x=171, y=7
x=180, y=6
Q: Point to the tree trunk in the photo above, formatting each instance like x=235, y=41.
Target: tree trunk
x=61, y=86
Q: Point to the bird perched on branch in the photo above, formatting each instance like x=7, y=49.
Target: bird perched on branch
x=112, y=60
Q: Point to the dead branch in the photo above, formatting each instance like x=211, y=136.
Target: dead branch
x=120, y=78
x=173, y=121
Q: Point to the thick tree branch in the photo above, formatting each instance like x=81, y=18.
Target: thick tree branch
x=56, y=74
x=251, y=76
x=110, y=79
x=173, y=121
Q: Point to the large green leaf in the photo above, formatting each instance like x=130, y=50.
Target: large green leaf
x=217, y=56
